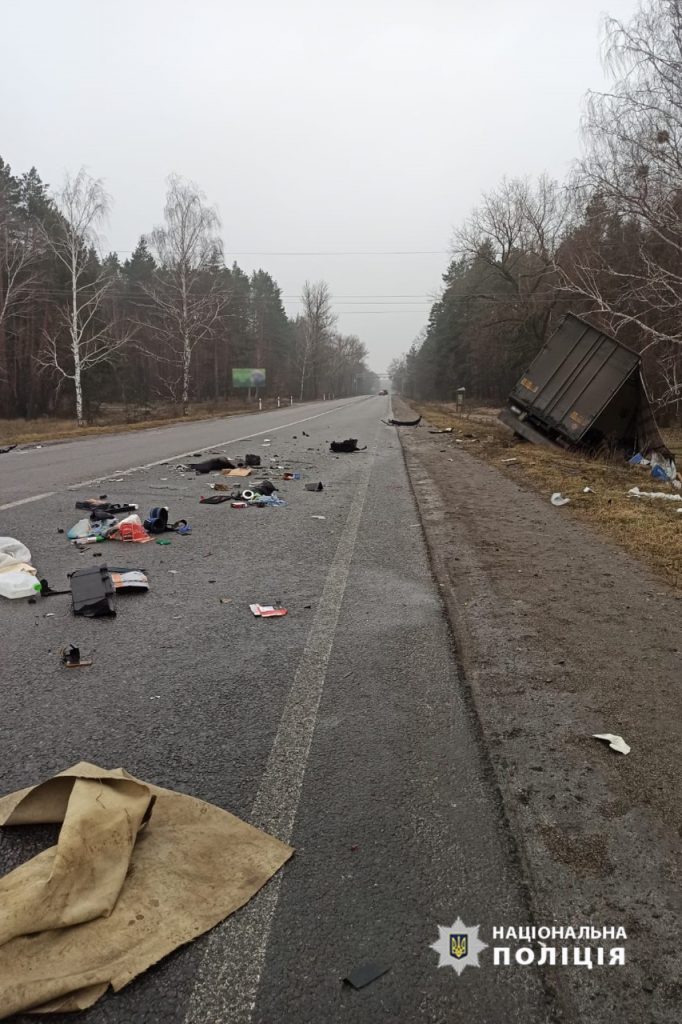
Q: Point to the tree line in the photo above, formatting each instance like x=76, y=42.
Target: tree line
x=605, y=244
x=79, y=328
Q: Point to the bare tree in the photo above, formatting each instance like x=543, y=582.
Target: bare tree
x=186, y=288
x=517, y=231
x=314, y=328
x=629, y=267
x=82, y=204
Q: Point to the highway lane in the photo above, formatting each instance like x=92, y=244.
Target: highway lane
x=31, y=471
x=343, y=728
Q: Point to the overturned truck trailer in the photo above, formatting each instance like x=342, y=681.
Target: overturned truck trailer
x=584, y=388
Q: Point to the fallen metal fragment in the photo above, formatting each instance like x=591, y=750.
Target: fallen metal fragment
x=616, y=743
x=71, y=658
x=365, y=973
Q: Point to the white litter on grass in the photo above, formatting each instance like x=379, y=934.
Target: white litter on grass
x=558, y=499
x=587, y=490
x=636, y=493
x=616, y=743
x=510, y=460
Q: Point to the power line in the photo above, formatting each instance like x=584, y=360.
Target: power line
x=324, y=252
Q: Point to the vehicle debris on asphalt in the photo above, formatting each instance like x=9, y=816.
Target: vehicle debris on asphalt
x=212, y=465
x=365, y=973
x=403, y=423
x=71, y=658
x=319, y=486
x=616, y=743
x=347, y=446
x=123, y=904
x=267, y=611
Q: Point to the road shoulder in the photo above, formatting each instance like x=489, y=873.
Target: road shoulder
x=561, y=635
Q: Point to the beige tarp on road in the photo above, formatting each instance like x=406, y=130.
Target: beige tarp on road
x=137, y=871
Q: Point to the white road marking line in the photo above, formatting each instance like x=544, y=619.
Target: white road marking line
x=169, y=458
x=229, y=974
x=26, y=501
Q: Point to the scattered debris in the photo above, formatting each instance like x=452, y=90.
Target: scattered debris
x=71, y=658
x=636, y=493
x=510, y=460
x=226, y=600
x=106, y=508
x=214, y=499
x=92, y=592
x=349, y=445
x=588, y=490
x=164, y=543
x=616, y=743
x=244, y=471
x=318, y=517
x=446, y=430
x=157, y=520
x=71, y=949
x=267, y=611
x=265, y=487
x=365, y=973
x=131, y=531
x=315, y=487
x=15, y=583
x=129, y=580
x=558, y=499
x=212, y=465
x=252, y=460
x=403, y=423
x=13, y=553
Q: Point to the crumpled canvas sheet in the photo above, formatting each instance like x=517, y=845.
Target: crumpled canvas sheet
x=137, y=871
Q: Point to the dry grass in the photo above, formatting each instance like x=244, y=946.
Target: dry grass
x=116, y=420
x=649, y=530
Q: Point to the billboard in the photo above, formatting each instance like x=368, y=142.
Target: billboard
x=243, y=378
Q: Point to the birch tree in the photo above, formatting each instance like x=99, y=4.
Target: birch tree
x=82, y=205
x=315, y=326
x=632, y=175
x=186, y=287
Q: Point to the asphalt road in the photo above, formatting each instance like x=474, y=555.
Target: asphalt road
x=343, y=728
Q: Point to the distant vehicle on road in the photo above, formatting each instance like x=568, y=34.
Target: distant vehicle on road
x=383, y=391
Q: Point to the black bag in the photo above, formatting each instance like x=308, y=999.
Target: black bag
x=92, y=592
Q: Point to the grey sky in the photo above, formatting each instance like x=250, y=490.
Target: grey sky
x=315, y=127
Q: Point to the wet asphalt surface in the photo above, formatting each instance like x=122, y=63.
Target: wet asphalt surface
x=398, y=827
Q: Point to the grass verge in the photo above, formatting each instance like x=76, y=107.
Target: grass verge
x=117, y=421
x=651, y=530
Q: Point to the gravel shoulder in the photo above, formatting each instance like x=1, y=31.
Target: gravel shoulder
x=561, y=635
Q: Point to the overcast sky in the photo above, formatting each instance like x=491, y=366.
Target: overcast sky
x=333, y=128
